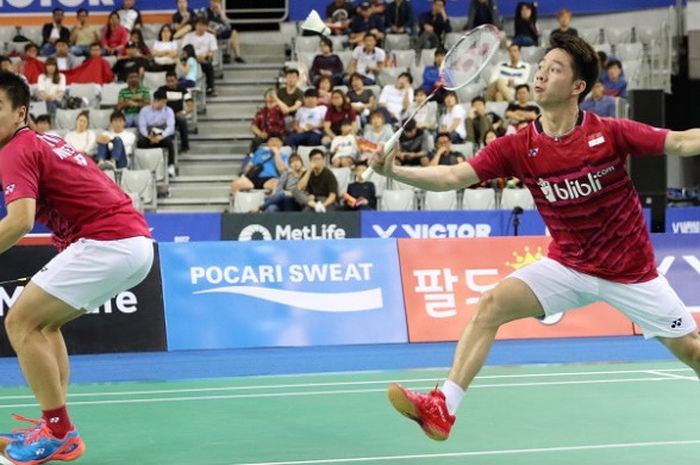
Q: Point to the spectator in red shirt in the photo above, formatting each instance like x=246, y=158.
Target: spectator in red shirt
x=114, y=36
x=339, y=110
x=267, y=120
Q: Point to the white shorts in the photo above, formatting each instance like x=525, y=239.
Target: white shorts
x=89, y=273
x=653, y=305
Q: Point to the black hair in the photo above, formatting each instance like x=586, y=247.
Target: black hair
x=170, y=73
x=57, y=10
x=612, y=63
x=16, y=90
x=82, y=10
x=164, y=27
x=443, y=134
x=189, y=51
x=479, y=98
x=327, y=41
x=116, y=114
x=519, y=86
x=291, y=71
x=584, y=60
x=160, y=94
x=45, y=118
x=408, y=76
x=316, y=152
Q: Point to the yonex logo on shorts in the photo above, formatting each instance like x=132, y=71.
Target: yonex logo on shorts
x=677, y=323
x=9, y=189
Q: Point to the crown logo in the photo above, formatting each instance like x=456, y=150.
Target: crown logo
x=527, y=259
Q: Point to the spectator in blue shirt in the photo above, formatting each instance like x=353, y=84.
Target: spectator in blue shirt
x=365, y=22
x=398, y=17
x=431, y=76
x=615, y=83
x=157, y=127
x=598, y=102
x=263, y=168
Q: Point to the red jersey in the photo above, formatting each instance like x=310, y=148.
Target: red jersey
x=74, y=199
x=583, y=192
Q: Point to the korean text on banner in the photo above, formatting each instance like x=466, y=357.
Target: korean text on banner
x=443, y=280
x=282, y=293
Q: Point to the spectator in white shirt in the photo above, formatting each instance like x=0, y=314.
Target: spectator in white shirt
x=344, y=147
x=129, y=16
x=51, y=85
x=308, y=121
x=114, y=146
x=81, y=138
x=205, y=46
x=507, y=76
x=165, y=50
x=452, y=122
x=395, y=98
x=367, y=59
x=426, y=118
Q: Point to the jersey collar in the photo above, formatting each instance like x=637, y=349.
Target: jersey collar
x=538, y=124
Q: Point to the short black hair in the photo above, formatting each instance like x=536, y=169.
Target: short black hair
x=133, y=71
x=612, y=63
x=479, y=98
x=160, y=94
x=291, y=71
x=16, y=90
x=82, y=10
x=4, y=58
x=276, y=135
x=408, y=76
x=519, y=86
x=62, y=41
x=584, y=60
x=316, y=152
x=443, y=134
x=440, y=51
x=45, y=118
x=202, y=20
x=117, y=114
x=327, y=41
x=311, y=92
x=170, y=73
x=57, y=10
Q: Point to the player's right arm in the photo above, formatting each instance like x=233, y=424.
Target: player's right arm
x=18, y=222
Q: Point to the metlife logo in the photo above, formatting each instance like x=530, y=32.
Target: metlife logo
x=290, y=226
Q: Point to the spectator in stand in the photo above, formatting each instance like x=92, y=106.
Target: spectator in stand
x=30, y=66
x=564, y=29
x=395, y=98
x=521, y=110
x=83, y=35
x=615, y=82
x=136, y=37
x=132, y=61
x=183, y=19
x=114, y=146
x=367, y=60
x=344, y=145
x=64, y=59
x=338, y=111
x=165, y=50
x=53, y=31
x=443, y=153
x=413, y=146
x=114, y=36
x=362, y=100
x=133, y=98
x=287, y=197
x=375, y=132
x=82, y=138
x=477, y=124
x=51, y=85
x=263, y=168
x=324, y=88
x=507, y=75
x=319, y=183
x=327, y=64
x=526, y=34
x=267, y=120
x=308, y=121
x=398, y=17
x=365, y=23
x=220, y=26
x=9, y=67
x=434, y=24
x=177, y=96
x=426, y=118
x=105, y=70
x=187, y=67
x=604, y=59
x=129, y=15
x=42, y=124
x=452, y=122
x=290, y=98
x=361, y=194
x=157, y=127
x=599, y=103
x=339, y=15
x=204, y=44
x=483, y=12
x=431, y=76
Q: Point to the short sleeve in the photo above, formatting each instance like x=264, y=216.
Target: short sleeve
x=381, y=56
x=20, y=175
x=356, y=53
x=493, y=160
x=637, y=139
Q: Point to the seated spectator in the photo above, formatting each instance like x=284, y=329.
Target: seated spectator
x=564, y=29
x=114, y=36
x=413, y=146
x=361, y=194
x=64, y=60
x=344, y=146
x=452, y=122
x=177, y=96
x=9, y=67
x=308, y=122
x=443, y=154
x=431, y=76
x=362, y=100
x=51, y=85
x=290, y=98
x=82, y=138
x=324, y=88
x=267, y=120
x=183, y=19
x=157, y=127
x=129, y=15
x=521, y=111
x=477, y=124
x=133, y=98
x=220, y=26
x=375, y=132
x=398, y=17
x=187, y=67
x=367, y=60
x=30, y=66
x=83, y=35
x=599, y=103
x=287, y=197
x=526, y=34
x=263, y=168
x=339, y=15
x=507, y=75
x=395, y=98
x=165, y=51
x=434, y=24
x=498, y=183
x=426, y=118
x=365, y=23
x=204, y=44
x=114, y=146
x=319, y=183
x=53, y=31
x=326, y=64
x=615, y=83
x=99, y=69
x=338, y=111
x=42, y=124
x=483, y=12
x=136, y=37
x=132, y=61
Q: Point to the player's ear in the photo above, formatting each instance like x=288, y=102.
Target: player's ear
x=578, y=86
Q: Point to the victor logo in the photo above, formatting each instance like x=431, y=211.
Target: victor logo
x=573, y=189
x=425, y=231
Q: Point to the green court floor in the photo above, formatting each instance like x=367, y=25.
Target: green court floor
x=526, y=415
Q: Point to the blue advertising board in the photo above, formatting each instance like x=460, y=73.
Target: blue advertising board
x=678, y=259
x=184, y=227
x=20, y=7
x=683, y=220
x=282, y=293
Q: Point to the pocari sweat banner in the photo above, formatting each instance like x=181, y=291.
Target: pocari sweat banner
x=281, y=293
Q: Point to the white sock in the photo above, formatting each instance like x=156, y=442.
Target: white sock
x=453, y=395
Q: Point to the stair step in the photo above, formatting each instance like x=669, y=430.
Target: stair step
x=232, y=110
x=203, y=178
x=265, y=74
x=208, y=168
x=198, y=191
x=208, y=157
x=247, y=136
x=223, y=126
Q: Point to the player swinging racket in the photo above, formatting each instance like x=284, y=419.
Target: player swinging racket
x=573, y=163
x=105, y=248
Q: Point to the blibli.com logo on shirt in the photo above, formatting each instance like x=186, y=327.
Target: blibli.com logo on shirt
x=572, y=189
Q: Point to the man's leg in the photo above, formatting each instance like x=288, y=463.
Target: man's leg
x=686, y=348
x=181, y=124
x=53, y=335
x=208, y=70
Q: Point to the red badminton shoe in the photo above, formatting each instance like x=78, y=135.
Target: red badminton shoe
x=428, y=410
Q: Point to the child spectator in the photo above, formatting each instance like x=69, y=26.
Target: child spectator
x=426, y=118
x=361, y=194
x=452, y=122
x=308, y=121
x=344, y=146
x=287, y=197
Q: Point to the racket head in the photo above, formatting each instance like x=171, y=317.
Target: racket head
x=467, y=58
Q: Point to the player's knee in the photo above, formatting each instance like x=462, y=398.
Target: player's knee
x=16, y=328
x=490, y=312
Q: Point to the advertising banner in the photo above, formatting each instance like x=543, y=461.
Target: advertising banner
x=132, y=321
x=290, y=226
x=184, y=227
x=45, y=7
x=239, y=294
x=683, y=220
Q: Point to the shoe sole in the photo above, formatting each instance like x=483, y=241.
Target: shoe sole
x=73, y=455
x=406, y=408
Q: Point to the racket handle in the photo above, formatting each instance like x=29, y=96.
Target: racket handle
x=367, y=174
x=392, y=141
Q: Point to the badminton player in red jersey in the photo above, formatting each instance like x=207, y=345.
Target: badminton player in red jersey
x=105, y=247
x=573, y=163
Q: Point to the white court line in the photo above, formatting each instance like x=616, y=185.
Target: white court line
x=671, y=375
x=658, y=372
x=319, y=393
x=481, y=453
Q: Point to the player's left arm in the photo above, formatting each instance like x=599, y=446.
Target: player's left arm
x=683, y=143
x=18, y=222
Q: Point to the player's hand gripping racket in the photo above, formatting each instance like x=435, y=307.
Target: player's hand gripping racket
x=462, y=64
